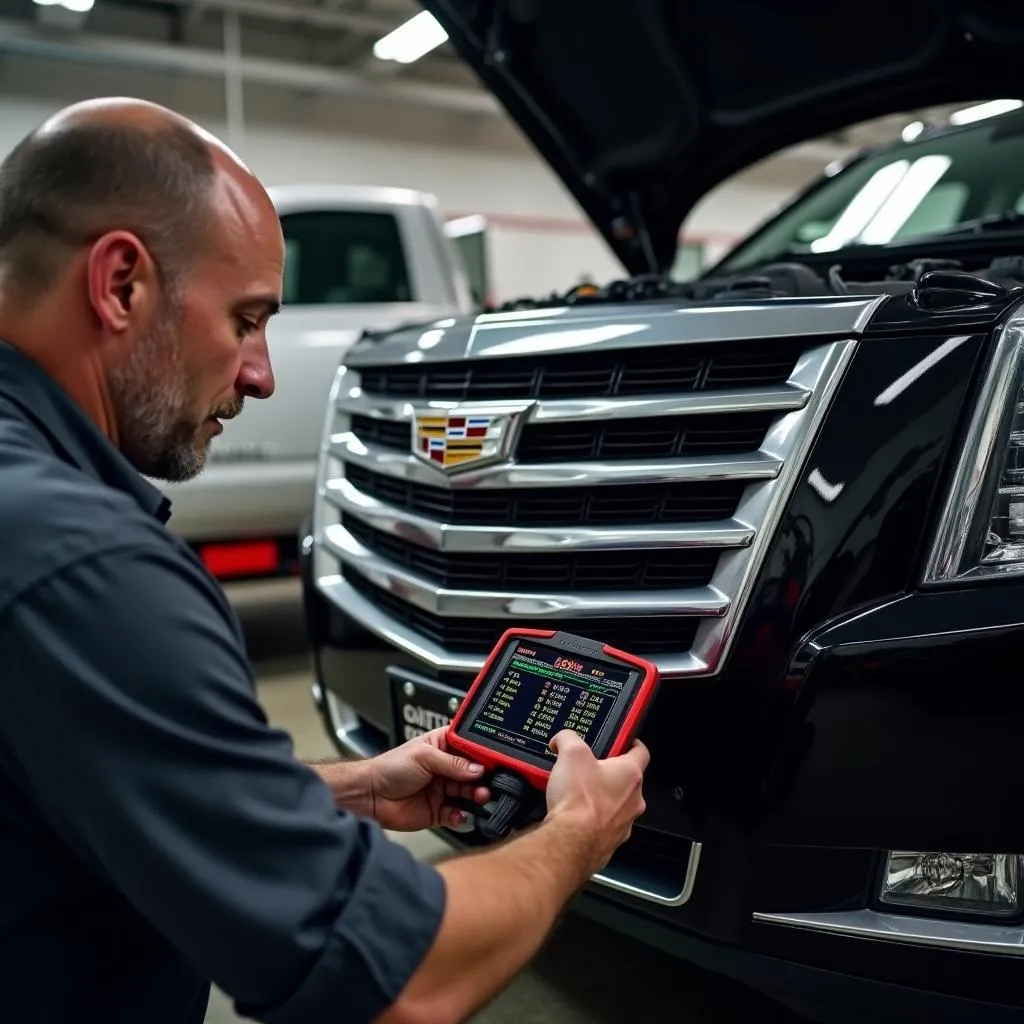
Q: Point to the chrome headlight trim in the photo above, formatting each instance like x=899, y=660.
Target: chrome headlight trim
x=971, y=489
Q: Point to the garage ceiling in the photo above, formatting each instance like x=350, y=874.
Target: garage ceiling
x=318, y=45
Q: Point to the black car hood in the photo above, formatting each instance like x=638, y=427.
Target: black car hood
x=643, y=106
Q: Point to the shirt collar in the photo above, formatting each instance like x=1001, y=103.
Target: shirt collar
x=75, y=438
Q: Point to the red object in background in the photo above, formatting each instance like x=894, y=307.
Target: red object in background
x=241, y=558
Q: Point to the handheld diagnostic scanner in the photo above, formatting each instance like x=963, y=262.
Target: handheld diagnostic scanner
x=534, y=684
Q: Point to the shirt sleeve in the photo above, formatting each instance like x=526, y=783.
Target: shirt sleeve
x=135, y=730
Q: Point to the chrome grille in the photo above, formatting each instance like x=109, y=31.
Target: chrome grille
x=646, y=635
x=656, y=569
x=700, y=502
x=659, y=437
x=633, y=507
x=599, y=374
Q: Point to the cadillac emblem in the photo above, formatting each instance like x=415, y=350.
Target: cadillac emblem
x=456, y=440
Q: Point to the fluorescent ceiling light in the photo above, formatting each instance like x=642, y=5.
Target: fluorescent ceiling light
x=912, y=131
x=411, y=40
x=904, y=199
x=864, y=205
x=77, y=6
x=982, y=110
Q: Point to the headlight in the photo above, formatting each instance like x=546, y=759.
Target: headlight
x=981, y=532
x=1004, y=540
x=953, y=883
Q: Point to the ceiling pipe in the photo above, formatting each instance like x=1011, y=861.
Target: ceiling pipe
x=234, y=93
x=23, y=40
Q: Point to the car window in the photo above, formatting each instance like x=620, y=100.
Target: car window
x=906, y=192
x=343, y=257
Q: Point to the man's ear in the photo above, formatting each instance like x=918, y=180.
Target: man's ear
x=122, y=281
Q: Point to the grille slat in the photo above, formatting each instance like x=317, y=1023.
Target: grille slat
x=618, y=441
x=666, y=370
x=391, y=434
x=649, y=635
x=656, y=438
x=565, y=506
x=660, y=569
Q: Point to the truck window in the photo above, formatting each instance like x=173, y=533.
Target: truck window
x=339, y=257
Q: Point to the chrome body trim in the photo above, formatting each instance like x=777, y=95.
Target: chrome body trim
x=948, y=558
x=342, y=594
x=430, y=533
x=355, y=402
x=763, y=505
x=966, y=936
x=481, y=604
x=755, y=466
x=665, y=899
x=344, y=723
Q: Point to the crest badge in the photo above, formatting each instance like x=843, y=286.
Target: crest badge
x=455, y=440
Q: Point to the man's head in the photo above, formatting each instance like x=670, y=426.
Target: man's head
x=139, y=263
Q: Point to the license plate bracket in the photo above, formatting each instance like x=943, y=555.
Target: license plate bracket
x=418, y=704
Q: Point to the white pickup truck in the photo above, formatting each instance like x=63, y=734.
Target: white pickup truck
x=355, y=258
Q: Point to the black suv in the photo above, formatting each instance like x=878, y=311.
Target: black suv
x=796, y=482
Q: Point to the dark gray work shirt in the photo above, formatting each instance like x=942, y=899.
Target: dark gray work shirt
x=155, y=832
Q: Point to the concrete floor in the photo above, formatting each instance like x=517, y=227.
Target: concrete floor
x=561, y=985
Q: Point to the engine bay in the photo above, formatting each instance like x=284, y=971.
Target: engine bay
x=933, y=283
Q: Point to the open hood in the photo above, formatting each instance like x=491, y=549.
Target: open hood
x=643, y=106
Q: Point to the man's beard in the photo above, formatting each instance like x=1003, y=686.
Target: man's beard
x=159, y=428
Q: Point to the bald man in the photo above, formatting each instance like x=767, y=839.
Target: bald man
x=155, y=832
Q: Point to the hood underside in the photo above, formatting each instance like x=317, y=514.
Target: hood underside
x=643, y=106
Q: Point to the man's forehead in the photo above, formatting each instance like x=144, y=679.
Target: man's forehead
x=242, y=205
x=249, y=268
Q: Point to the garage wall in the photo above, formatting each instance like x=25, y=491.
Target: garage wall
x=474, y=164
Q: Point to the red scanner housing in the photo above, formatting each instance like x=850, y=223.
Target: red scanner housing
x=619, y=723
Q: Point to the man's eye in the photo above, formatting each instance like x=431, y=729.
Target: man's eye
x=246, y=327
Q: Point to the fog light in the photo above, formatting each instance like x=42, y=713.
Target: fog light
x=956, y=883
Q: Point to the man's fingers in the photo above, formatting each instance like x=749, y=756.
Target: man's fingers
x=569, y=740
x=478, y=794
x=565, y=741
x=436, y=738
x=456, y=817
x=449, y=766
x=466, y=790
x=457, y=809
x=639, y=755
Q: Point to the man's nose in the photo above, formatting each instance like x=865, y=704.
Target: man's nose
x=256, y=376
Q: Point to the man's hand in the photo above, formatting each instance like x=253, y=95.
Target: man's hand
x=502, y=902
x=407, y=786
x=604, y=797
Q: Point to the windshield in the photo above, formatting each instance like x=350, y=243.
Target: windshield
x=915, y=189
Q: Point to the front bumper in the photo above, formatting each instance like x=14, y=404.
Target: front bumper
x=759, y=908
